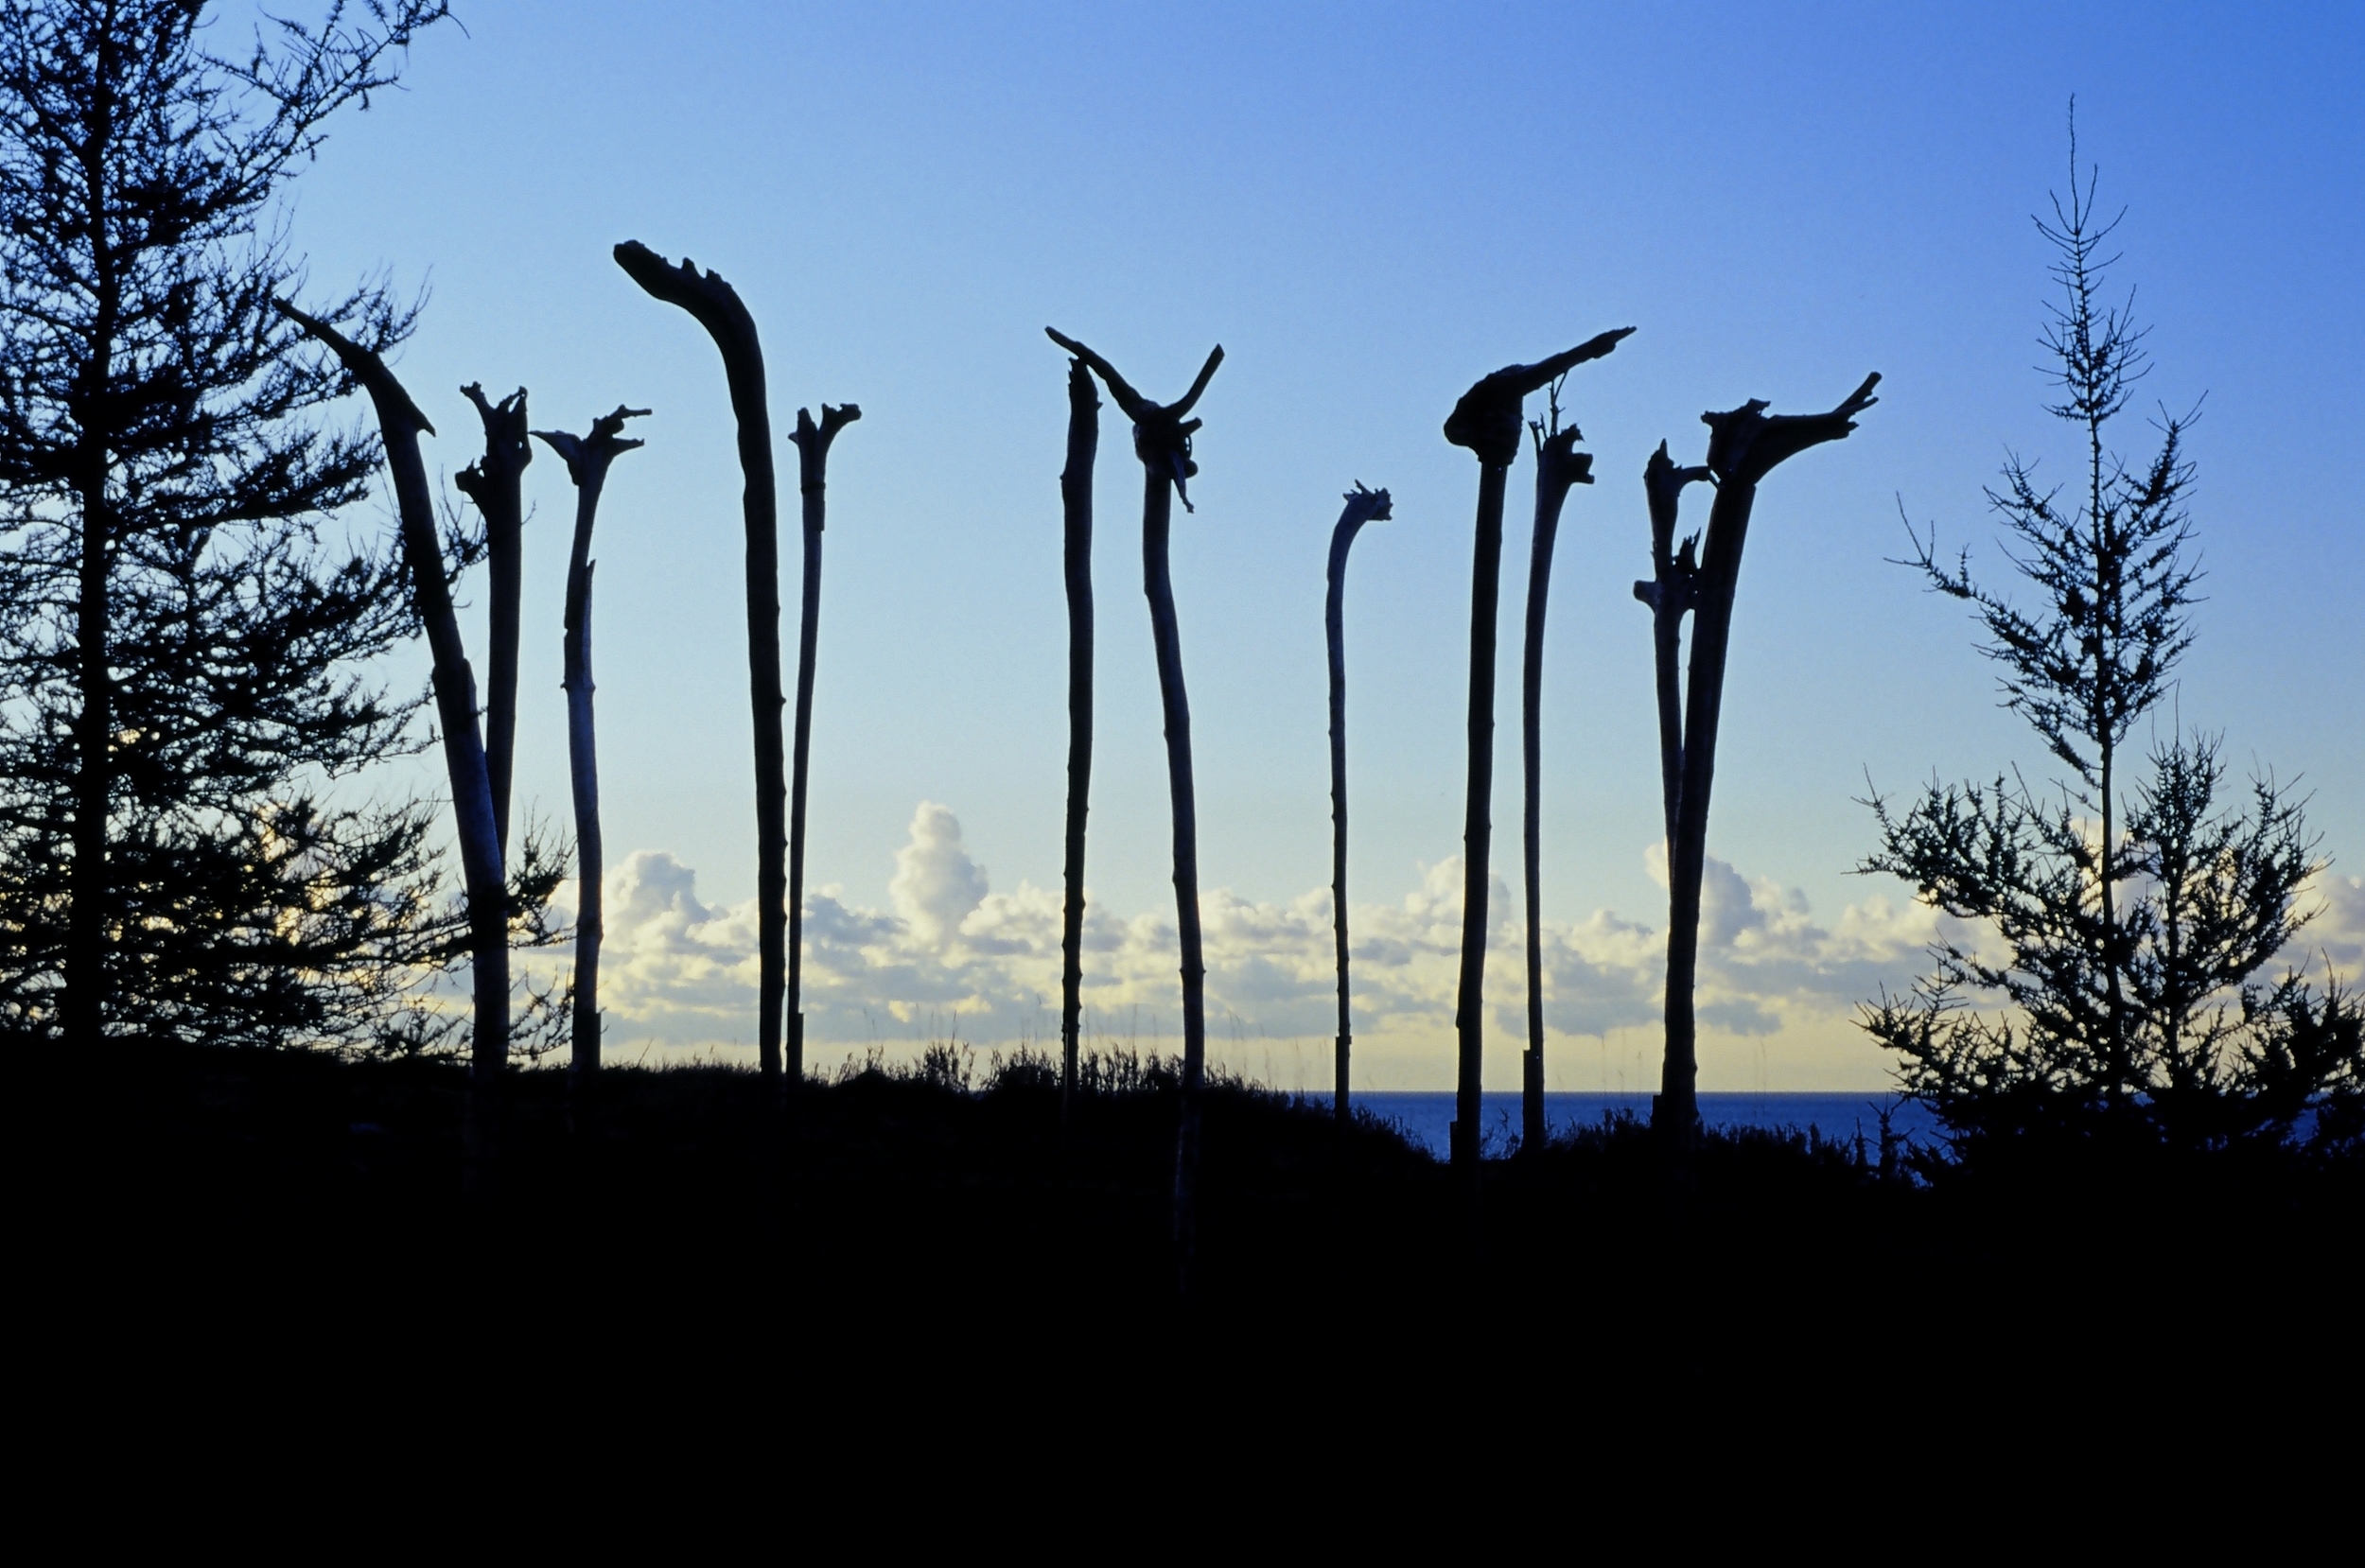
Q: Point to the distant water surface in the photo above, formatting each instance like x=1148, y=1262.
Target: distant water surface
x=1427, y=1118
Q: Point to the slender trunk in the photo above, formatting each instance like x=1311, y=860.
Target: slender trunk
x=1334, y=629
x=1678, y=1109
x=1669, y=594
x=812, y=465
x=88, y=889
x=1478, y=821
x=1745, y=446
x=455, y=697
x=718, y=308
x=588, y=459
x=583, y=767
x=496, y=484
x=1161, y=439
x=1557, y=468
x=1156, y=512
x=2106, y=601
x=1076, y=504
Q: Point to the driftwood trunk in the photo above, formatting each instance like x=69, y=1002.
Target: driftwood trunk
x=1161, y=439
x=1669, y=594
x=1743, y=447
x=496, y=483
x=455, y=697
x=812, y=465
x=1558, y=466
x=1075, y=505
x=1488, y=420
x=1362, y=506
x=588, y=459
x=717, y=307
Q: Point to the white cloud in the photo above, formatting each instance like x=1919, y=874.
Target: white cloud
x=936, y=884
x=1777, y=989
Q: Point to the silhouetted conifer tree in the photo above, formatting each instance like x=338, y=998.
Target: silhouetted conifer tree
x=1161, y=439
x=2122, y=934
x=1363, y=506
x=183, y=676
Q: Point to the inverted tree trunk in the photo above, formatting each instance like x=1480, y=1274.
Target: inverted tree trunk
x=1558, y=466
x=812, y=463
x=1076, y=506
x=401, y=422
x=496, y=483
x=717, y=307
x=588, y=459
x=1161, y=439
x=1488, y=420
x=1363, y=506
x=1743, y=447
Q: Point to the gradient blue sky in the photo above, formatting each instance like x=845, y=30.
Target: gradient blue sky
x=1369, y=207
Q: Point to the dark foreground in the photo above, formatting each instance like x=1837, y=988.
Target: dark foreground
x=898, y=1232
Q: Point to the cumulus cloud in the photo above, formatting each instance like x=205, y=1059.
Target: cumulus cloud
x=936, y=884
x=952, y=956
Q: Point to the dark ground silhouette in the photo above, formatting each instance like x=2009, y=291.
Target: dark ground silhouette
x=312, y=1211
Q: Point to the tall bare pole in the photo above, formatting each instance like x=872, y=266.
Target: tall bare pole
x=716, y=305
x=496, y=482
x=1075, y=505
x=1489, y=421
x=401, y=424
x=1161, y=439
x=1745, y=446
x=812, y=465
x=588, y=459
x=1362, y=506
x=1558, y=466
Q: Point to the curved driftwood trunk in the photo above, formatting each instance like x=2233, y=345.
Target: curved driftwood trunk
x=1161, y=439
x=455, y=697
x=1076, y=506
x=1558, y=466
x=813, y=467
x=1743, y=447
x=1488, y=420
x=1363, y=506
x=717, y=307
x=588, y=459
x=496, y=483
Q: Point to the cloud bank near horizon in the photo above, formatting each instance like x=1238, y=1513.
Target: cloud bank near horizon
x=952, y=958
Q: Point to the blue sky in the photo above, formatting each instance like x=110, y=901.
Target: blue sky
x=1369, y=207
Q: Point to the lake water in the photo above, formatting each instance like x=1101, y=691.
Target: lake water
x=1426, y=1118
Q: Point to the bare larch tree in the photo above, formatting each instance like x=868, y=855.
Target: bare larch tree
x=496, y=482
x=1558, y=466
x=1161, y=439
x=586, y=459
x=1489, y=421
x=716, y=305
x=1076, y=506
x=813, y=467
x=1362, y=506
x=1745, y=446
